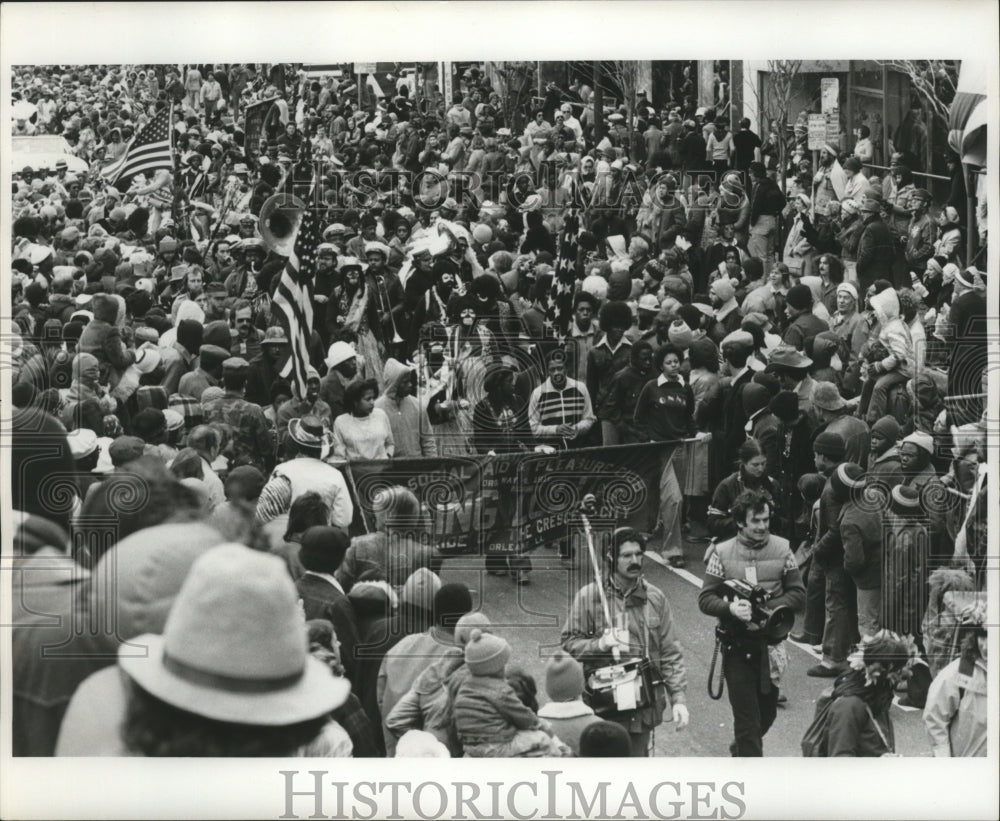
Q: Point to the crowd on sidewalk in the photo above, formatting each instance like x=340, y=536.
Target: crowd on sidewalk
x=481, y=286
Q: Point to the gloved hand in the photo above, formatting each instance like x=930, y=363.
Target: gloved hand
x=613, y=638
x=681, y=717
x=741, y=609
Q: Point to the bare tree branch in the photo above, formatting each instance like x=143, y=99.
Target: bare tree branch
x=516, y=86
x=774, y=103
x=934, y=81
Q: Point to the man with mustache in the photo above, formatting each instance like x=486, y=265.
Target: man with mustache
x=642, y=626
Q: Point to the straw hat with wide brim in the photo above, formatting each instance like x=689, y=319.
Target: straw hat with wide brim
x=234, y=647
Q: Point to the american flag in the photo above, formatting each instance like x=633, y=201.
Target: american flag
x=564, y=280
x=149, y=150
x=292, y=301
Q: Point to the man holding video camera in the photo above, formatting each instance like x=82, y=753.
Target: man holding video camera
x=753, y=586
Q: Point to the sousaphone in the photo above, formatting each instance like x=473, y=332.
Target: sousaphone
x=280, y=218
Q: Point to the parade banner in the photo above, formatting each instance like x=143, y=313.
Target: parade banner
x=516, y=503
x=256, y=116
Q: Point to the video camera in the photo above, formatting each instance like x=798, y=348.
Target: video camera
x=773, y=623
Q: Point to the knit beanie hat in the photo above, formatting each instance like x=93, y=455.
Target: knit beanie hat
x=468, y=623
x=420, y=588
x=723, y=290
x=830, y=444
x=680, y=334
x=563, y=677
x=800, y=297
x=887, y=427
x=905, y=501
x=847, y=480
x=190, y=334
x=217, y=333
x=922, y=440
x=486, y=654
x=848, y=288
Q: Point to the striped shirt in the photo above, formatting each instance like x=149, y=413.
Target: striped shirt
x=548, y=408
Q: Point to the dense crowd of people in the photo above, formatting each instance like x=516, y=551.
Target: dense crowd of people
x=486, y=281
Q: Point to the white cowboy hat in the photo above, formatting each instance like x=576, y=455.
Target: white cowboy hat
x=234, y=646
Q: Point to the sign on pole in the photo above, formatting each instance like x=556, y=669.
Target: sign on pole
x=364, y=68
x=817, y=131
x=830, y=106
x=445, y=82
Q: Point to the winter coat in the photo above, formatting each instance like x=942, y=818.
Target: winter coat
x=876, y=253
x=861, y=535
x=885, y=470
x=893, y=333
x=602, y=365
x=322, y=600
x=852, y=733
x=620, y=400
x=425, y=705
x=395, y=557
x=651, y=633
x=720, y=524
x=102, y=337
x=401, y=666
x=411, y=429
x=955, y=721
x=568, y=719
x=488, y=711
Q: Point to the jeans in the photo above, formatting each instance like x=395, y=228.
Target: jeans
x=841, y=616
x=763, y=239
x=609, y=432
x=869, y=608
x=875, y=407
x=815, y=615
x=672, y=501
x=753, y=711
x=639, y=741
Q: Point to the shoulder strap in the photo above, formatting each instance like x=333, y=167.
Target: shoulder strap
x=878, y=728
x=966, y=667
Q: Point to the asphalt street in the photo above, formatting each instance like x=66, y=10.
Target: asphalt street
x=531, y=617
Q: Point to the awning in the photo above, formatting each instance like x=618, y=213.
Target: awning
x=967, y=119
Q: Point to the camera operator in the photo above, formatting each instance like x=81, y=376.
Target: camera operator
x=749, y=652
x=642, y=628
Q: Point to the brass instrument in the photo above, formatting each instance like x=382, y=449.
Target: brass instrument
x=384, y=296
x=279, y=221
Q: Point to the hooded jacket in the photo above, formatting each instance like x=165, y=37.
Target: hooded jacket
x=103, y=339
x=411, y=428
x=893, y=333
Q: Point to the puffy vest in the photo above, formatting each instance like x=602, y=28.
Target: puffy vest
x=308, y=474
x=769, y=561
